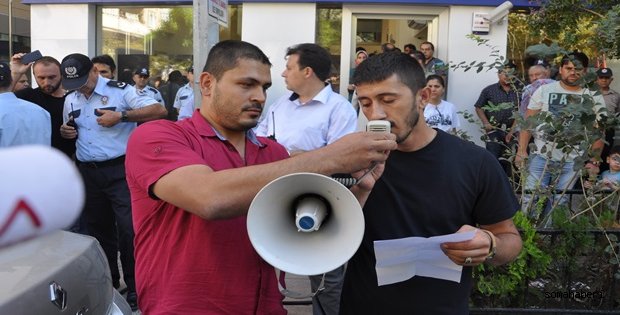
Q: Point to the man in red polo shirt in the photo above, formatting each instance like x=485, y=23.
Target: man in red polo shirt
x=192, y=182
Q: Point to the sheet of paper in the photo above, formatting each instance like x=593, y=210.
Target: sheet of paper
x=401, y=259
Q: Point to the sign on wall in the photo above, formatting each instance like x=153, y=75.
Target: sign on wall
x=218, y=9
x=480, y=23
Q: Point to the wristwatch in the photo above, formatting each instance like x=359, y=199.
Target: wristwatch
x=124, y=117
x=492, y=246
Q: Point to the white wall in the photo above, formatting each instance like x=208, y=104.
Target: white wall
x=275, y=27
x=62, y=29
x=464, y=87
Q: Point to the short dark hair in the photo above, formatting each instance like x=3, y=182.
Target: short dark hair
x=410, y=46
x=428, y=43
x=436, y=77
x=225, y=55
x=106, y=60
x=382, y=66
x=46, y=60
x=614, y=150
x=313, y=56
x=575, y=56
x=175, y=76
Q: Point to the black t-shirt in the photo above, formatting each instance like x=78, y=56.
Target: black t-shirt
x=54, y=105
x=429, y=192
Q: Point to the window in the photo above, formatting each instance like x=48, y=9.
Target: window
x=328, y=35
x=159, y=38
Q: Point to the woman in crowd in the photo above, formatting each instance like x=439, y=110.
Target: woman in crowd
x=438, y=113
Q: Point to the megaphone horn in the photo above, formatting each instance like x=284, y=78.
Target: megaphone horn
x=305, y=223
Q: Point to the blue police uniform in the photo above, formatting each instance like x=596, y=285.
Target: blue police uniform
x=184, y=101
x=22, y=122
x=100, y=157
x=152, y=93
x=96, y=143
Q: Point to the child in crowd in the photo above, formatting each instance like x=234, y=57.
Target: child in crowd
x=610, y=179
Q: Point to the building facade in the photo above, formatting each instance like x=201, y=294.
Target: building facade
x=19, y=18
x=158, y=33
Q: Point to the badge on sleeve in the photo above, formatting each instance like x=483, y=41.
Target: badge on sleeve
x=117, y=84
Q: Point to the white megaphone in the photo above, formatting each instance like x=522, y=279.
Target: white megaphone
x=305, y=224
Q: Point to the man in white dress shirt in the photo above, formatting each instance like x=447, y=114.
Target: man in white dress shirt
x=308, y=118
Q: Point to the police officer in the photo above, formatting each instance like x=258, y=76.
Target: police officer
x=184, y=101
x=141, y=79
x=102, y=114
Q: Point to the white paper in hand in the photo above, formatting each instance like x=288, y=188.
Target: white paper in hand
x=401, y=259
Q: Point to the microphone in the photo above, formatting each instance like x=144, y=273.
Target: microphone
x=41, y=191
x=372, y=126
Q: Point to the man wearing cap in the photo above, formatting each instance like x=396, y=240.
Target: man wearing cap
x=141, y=79
x=497, y=121
x=604, y=77
x=184, y=100
x=21, y=122
x=102, y=114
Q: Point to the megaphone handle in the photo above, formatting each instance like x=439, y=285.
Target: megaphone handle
x=298, y=295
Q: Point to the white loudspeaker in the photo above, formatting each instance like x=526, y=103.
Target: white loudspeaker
x=305, y=224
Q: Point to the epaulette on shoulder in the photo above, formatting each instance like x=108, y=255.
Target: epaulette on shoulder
x=117, y=84
x=152, y=89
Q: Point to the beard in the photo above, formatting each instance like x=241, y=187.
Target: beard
x=230, y=119
x=50, y=89
x=410, y=122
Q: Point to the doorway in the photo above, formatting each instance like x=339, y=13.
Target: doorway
x=369, y=26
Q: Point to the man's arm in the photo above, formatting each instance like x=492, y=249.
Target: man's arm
x=524, y=139
x=483, y=118
x=110, y=118
x=504, y=235
x=483, y=100
x=228, y=193
x=147, y=113
x=535, y=105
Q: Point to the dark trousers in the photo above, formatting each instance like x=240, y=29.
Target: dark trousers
x=497, y=145
x=107, y=216
x=327, y=302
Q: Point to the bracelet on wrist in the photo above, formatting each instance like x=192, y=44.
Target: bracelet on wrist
x=492, y=244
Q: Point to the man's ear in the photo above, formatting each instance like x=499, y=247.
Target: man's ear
x=207, y=82
x=424, y=94
x=308, y=72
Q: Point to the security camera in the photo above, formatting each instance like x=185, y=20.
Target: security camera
x=500, y=12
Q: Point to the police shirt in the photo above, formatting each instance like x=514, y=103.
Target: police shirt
x=152, y=93
x=23, y=122
x=184, y=101
x=96, y=143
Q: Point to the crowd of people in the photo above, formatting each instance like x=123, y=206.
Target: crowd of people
x=168, y=186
